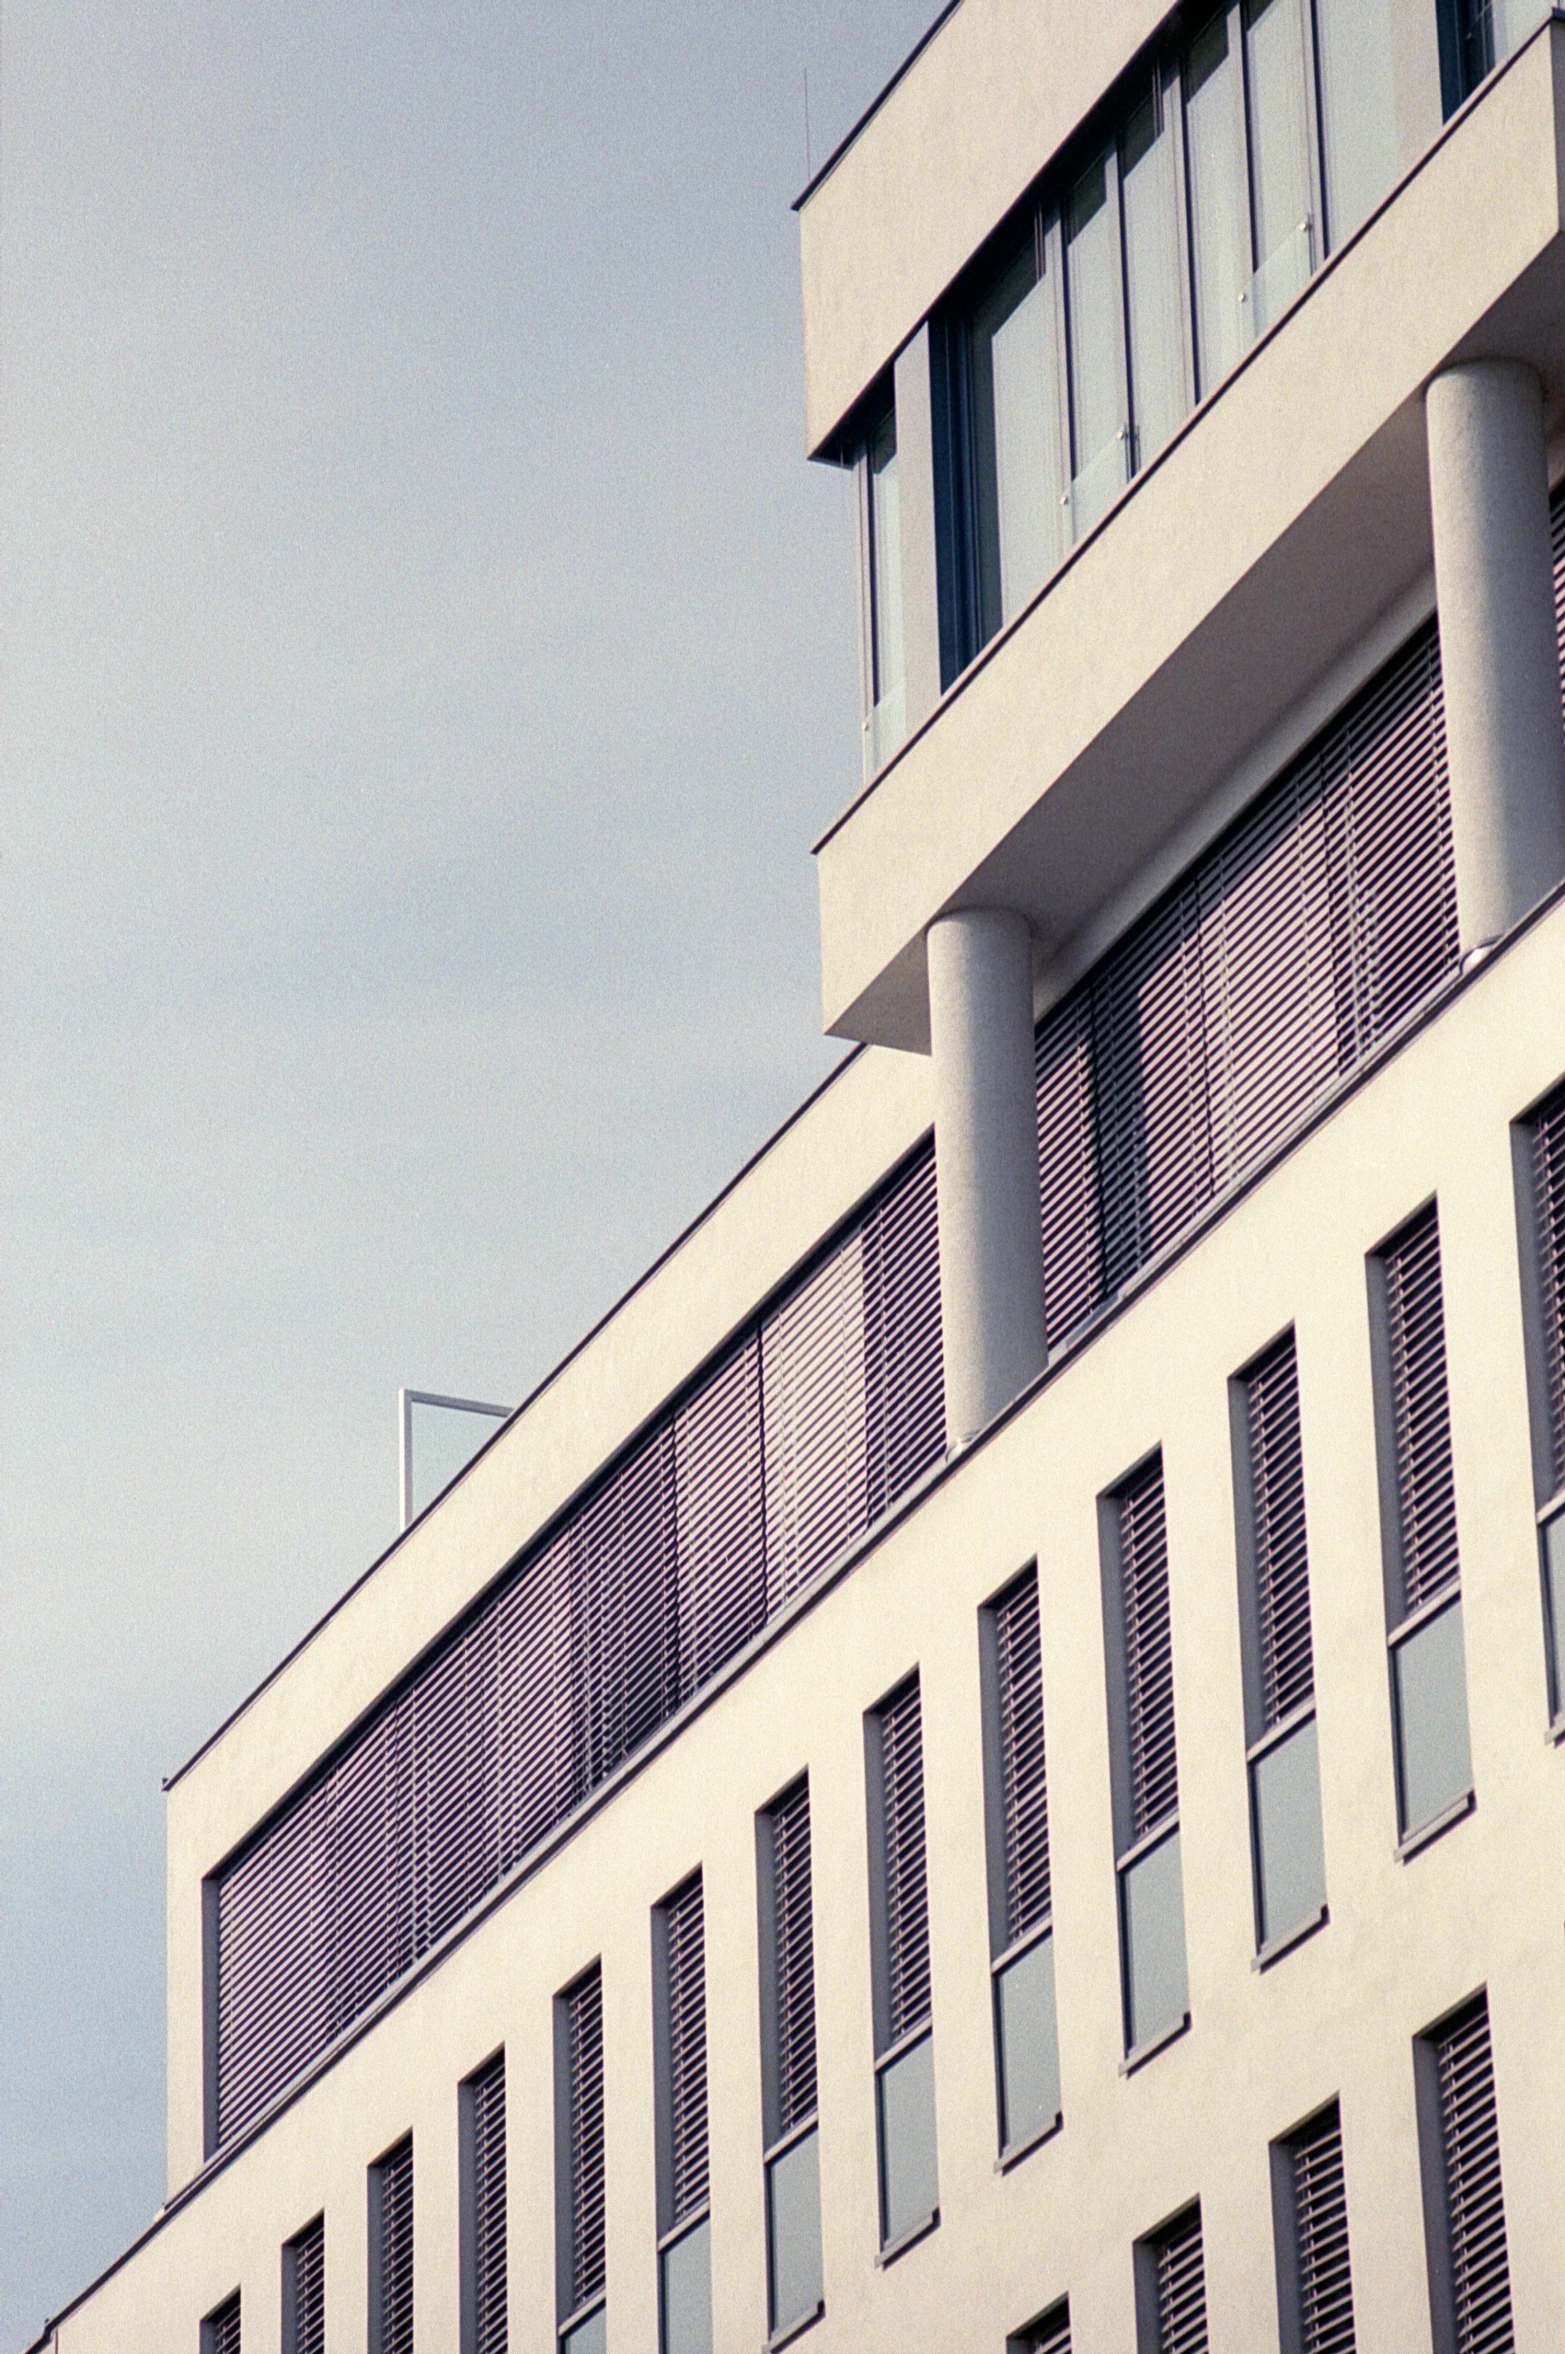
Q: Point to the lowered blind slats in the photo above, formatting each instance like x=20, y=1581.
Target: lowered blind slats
x=220, y=2331
x=1181, y=2288
x=803, y=1433
x=585, y=2215
x=1321, y=916
x=1320, y=2224
x=1149, y=1651
x=685, y=2029
x=487, y=2125
x=1282, y=1567
x=307, y=2288
x=905, y=1888
x=1024, y=1796
x=794, y=1959
x=1548, y=1171
x=1475, y=2206
x=1052, y=2335
x=1420, y=1415
x=392, y=2318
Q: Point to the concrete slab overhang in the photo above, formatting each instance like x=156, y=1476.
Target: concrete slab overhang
x=1287, y=518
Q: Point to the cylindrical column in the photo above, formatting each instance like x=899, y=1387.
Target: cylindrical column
x=986, y=1162
x=1494, y=583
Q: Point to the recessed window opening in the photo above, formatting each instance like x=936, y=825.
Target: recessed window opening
x=391, y=2251
x=683, y=2171
x=304, y=2290
x=1310, y=2213
x=220, y=2333
x=1464, y=2200
x=1543, y=1216
x=580, y=2211
x=899, y=1948
x=483, y=2217
x=1049, y=2334
x=1171, y=2288
x=795, y=2291
x=1027, y=2064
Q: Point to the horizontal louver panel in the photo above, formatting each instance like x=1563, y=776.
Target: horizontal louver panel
x=1052, y=2335
x=1181, y=2288
x=490, y=2326
x=905, y=1890
x=794, y=1959
x=585, y=2218
x=1274, y=965
x=1420, y=1413
x=1320, y=2221
x=1024, y=1796
x=307, y=2256
x=1149, y=1651
x=685, y=2028
x=1548, y=1172
x=393, y=2319
x=1475, y=2206
x=806, y=1430
x=1282, y=1567
x=220, y=2332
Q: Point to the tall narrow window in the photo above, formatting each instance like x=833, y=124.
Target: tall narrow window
x=1464, y=2203
x=1219, y=198
x=579, y=2163
x=899, y=1940
x=1278, y=63
x=481, y=2120
x=1274, y=1568
x=1149, y=200
x=1049, y=2334
x=1548, y=1225
x=1423, y=1593
x=1358, y=107
x=1095, y=311
x=304, y=2290
x=684, y=2234
x=1310, y=2205
x=1014, y=396
x=1020, y=1900
x=886, y=723
x=1171, y=2288
x=1146, y=1768
x=788, y=2106
x=220, y=2330
x=391, y=2252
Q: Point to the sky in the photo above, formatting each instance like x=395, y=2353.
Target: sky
x=427, y=659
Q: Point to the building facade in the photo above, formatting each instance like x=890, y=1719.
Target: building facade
x=983, y=1766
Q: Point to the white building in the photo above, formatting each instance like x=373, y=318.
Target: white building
x=639, y=1912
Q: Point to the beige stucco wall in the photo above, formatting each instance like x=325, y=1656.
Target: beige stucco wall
x=1482, y=1905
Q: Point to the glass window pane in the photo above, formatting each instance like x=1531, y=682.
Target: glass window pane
x=1511, y=21
x=1149, y=194
x=1016, y=421
x=793, y=2216
x=909, y=2182
x=1029, y=2045
x=888, y=723
x=590, y=2336
x=687, y=2293
x=1431, y=1689
x=1290, y=1867
x=1554, y=1609
x=1153, y=1909
x=1280, y=158
x=1219, y=200
x=1358, y=105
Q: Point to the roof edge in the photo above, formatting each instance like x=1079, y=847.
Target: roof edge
x=873, y=108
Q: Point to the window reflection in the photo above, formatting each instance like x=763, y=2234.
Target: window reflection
x=1219, y=206
x=1149, y=192
x=1099, y=434
x=1275, y=35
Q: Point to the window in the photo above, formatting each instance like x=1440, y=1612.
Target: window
x=220, y=2330
x=579, y=2165
x=1145, y=1761
x=679, y=2010
x=1171, y=2288
x=1546, y=1139
x=788, y=2107
x=481, y=2126
x=1310, y=2204
x=1020, y=1901
x=1464, y=2204
x=1049, y=2334
x=1423, y=1593
x=880, y=525
x=1274, y=1569
x=304, y=2290
x=1478, y=35
x=899, y=1946
x=391, y=2252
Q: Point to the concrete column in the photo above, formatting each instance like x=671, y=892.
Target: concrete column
x=986, y=1162
x=1494, y=583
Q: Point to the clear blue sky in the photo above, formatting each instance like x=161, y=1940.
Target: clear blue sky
x=427, y=658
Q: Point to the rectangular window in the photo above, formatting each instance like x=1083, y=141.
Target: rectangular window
x=391, y=2252
x=899, y=1946
x=304, y=2290
x=1049, y=2334
x=1155, y=314
x=579, y=2166
x=1171, y=2288
x=885, y=700
x=1464, y=2204
x=1095, y=323
x=788, y=2103
x=1358, y=110
x=679, y=2012
x=1545, y=1140
x=1310, y=2211
x=1145, y=1761
x=1279, y=72
x=1020, y=1899
x=481, y=2126
x=1274, y=1570
x=1478, y=35
x=1219, y=198
x=1423, y=1594
x=220, y=2330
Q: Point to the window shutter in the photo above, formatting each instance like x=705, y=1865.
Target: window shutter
x=902, y=1862
x=220, y=2331
x=1475, y=2206
x=1149, y=1654
x=490, y=2308
x=1052, y=2335
x=393, y=2332
x=1282, y=1567
x=307, y=2285
x=1548, y=1172
x=1320, y=2221
x=794, y=1959
x=584, y=2111
x=1024, y=1797
x=1181, y=2287
x=684, y=1928
x=1421, y=1423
